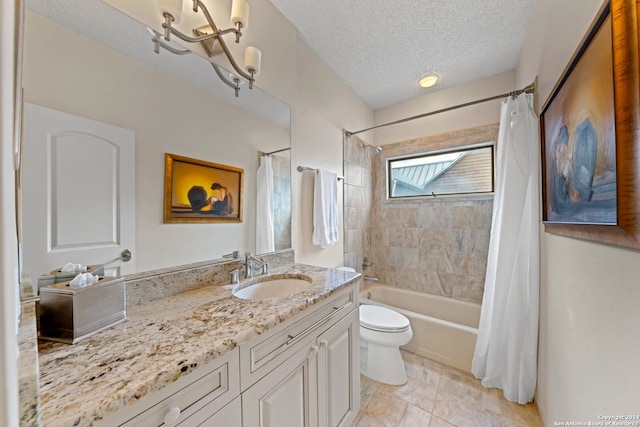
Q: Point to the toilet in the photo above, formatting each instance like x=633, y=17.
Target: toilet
x=382, y=332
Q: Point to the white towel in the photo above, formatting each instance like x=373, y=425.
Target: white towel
x=325, y=209
x=264, y=208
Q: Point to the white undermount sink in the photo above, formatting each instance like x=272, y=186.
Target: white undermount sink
x=272, y=288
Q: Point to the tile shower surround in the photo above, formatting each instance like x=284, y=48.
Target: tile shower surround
x=433, y=245
x=281, y=201
x=357, y=200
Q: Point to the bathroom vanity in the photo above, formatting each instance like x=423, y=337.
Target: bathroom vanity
x=206, y=357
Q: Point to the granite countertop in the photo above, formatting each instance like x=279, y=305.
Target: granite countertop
x=28, y=357
x=160, y=342
x=28, y=360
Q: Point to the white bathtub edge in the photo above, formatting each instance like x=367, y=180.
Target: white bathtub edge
x=443, y=341
x=414, y=314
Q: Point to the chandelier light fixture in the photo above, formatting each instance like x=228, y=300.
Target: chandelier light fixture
x=207, y=36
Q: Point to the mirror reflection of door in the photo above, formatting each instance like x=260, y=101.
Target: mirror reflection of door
x=78, y=192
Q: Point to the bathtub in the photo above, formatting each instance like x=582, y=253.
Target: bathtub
x=444, y=329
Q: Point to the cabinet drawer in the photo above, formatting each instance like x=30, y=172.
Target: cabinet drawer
x=213, y=388
x=228, y=416
x=262, y=355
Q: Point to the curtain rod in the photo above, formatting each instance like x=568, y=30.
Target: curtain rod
x=305, y=168
x=277, y=151
x=529, y=89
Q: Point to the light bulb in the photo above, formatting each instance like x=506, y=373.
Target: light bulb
x=428, y=80
x=252, y=59
x=172, y=7
x=240, y=12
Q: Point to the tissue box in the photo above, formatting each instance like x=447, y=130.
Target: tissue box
x=71, y=315
x=57, y=276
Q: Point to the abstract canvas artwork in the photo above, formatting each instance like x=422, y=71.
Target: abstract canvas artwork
x=579, y=138
x=590, y=135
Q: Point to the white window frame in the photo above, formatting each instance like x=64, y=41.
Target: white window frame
x=484, y=194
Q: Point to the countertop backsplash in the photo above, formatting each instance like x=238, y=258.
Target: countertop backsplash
x=153, y=285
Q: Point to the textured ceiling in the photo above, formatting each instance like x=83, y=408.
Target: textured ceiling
x=380, y=48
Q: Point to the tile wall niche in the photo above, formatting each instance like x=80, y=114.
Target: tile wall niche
x=281, y=201
x=433, y=245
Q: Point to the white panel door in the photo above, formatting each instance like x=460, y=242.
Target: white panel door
x=78, y=192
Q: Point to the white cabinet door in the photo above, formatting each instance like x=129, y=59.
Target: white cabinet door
x=78, y=191
x=286, y=397
x=339, y=373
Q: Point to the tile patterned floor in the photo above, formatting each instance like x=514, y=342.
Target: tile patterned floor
x=437, y=395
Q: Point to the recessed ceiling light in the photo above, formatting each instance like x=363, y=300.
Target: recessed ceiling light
x=428, y=80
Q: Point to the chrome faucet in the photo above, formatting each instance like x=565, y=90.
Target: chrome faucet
x=249, y=261
x=235, y=276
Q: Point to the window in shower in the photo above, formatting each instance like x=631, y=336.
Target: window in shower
x=463, y=170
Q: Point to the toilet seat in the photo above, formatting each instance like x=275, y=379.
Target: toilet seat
x=382, y=319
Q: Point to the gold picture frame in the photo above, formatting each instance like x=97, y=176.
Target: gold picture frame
x=197, y=191
x=620, y=225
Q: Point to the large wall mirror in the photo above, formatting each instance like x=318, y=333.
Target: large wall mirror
x=84, y=58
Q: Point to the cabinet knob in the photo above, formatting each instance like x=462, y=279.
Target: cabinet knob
x=172, y=415
x=313, y=351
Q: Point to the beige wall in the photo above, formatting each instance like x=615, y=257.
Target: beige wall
x=321, y=107
x=476, y=115
x=82, y=79
x=70, y=73
x=590, y=293
x=324, y=106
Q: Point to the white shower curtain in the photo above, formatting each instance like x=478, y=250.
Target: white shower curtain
x=506, y=349
x=264, y=207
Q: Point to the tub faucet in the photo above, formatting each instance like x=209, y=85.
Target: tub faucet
x=249, y=261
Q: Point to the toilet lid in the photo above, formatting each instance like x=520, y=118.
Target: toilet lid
x=382, y=319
